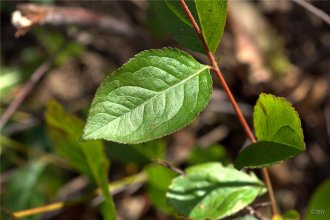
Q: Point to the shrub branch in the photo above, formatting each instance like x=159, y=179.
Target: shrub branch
x=239, y=114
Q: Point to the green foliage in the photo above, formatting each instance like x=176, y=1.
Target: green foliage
x=140, y=154
x=279, y=133
x=246, y=217
x=23, y=188
x=159, y=178
x=213, y=153
x=319, y=206
x=88, y=158
x=154, y=94
x=151, y=150
x=6, y=214
x=212, y=191
x=212, y=17
x=9, y=77
x=291, y=215
x=52, y=41
x=170, y=16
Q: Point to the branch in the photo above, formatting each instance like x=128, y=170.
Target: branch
x=169, y=166
x=238, y=111
x=319, y=13
x=29, y=15
x=26, y=89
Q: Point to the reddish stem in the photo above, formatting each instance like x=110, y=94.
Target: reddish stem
x=239, y=114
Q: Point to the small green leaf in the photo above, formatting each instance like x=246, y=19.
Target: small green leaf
x=154, y=94
x=159, y=178
x=319, y=206
x=211, y=191
x=291, y=215
x=279, y=133
x=212, y=16
x=172, y=18
x=88, y=158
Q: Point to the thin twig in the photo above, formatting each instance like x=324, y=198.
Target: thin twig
x=27, y=88
x=114, y=188
x=319, y=13
x=239, y=114
x=170, y=166
x=255, y=213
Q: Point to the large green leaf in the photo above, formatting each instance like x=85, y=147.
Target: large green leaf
x=154, y=94
x=319, y=206
x=279, y=133
x=88, y=158
x=211, y=191
x=212, y=17
x=170, y=16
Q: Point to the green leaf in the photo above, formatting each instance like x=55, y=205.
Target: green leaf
x=151, y=150
x=291, y=215
x=88, y=158
x=279, y=133
x=212, y=16
x=24, y=190
x=154, y=94
x=211, y=191
x=140, y=154
x=246, y=217
x=159, y=178
x=125, y=154
x=319, y=206
x=171, y=17
x=213, y=153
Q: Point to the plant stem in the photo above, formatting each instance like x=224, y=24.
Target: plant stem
x=239, y=114
x=114, y=188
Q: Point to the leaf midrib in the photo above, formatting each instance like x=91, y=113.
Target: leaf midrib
x=151, y=98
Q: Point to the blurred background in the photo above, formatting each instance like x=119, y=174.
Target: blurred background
x=276, y=47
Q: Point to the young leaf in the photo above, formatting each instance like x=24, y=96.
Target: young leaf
x=154, y=94
x=279, y=133
x=319, y=206
x=211, y=191
x=171, y=17
x=212, y=16
x=88, y=158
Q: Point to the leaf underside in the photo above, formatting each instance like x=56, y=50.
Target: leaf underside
x=279, y=133
x=154, y=94
x=212, y=191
